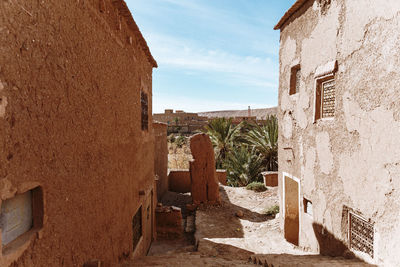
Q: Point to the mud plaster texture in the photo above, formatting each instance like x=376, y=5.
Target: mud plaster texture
x=351, y=160
x=160, y=158
x=204, y=182
x=70, y=121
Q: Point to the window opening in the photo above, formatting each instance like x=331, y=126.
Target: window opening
x=145, y=111
x=325, y=98
x=307, y=204
x=16, y=217
x=137, y=227
x=328, y=99
x=295, y=77
x=361, y=234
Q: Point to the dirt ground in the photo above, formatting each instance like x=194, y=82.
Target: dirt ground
x=219, y=232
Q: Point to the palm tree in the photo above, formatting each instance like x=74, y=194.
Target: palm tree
x=223, y=135
x=264, y=139
x=243, y=166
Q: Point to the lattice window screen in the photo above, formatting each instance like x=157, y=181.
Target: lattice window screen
x=361, y=235
x=328, y=99
x=137, y=227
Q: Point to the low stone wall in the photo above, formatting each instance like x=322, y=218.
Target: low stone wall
x=169, y=222
x=270, y=178
x=179, y=180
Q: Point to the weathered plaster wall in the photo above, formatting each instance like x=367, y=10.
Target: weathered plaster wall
x=160, y=158
x=179, y=180
x=70, y=121
x=352, y=160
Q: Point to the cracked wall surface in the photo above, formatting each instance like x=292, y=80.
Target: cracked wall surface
x=70, y=121
x=353, y=159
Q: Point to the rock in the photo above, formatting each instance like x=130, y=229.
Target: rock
x=239, y=214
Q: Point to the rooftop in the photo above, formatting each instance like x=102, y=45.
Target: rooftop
x=296, y=6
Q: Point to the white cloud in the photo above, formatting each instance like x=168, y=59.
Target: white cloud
x=185, y=55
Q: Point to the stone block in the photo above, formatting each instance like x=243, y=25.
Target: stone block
x=204, y=182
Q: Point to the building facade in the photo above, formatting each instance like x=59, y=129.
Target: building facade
x=76, y=138
x=180, y=121
x=339, y=116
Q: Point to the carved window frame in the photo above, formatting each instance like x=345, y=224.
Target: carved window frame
x=323, y=75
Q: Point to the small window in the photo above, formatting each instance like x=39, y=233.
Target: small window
x=325, y=98
x=16, y=217
x=137, y=228
x=145, y=111
x=20, y=216
x=295, y=77
x=361, y=234
x=307, y=204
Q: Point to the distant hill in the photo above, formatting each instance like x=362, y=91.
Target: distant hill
x=261, y=113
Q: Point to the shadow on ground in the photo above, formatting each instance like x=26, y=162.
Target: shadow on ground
x=222, y=222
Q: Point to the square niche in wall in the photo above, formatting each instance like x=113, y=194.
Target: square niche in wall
x=295, y=78
x=16, y=217
x=20, y=217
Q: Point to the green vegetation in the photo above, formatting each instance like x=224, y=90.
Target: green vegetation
x=171, y=138
x=223, y=135
x=256, y=186
x=244, y=150
x=272, y=211
x=180, y=141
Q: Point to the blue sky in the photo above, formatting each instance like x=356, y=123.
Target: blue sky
x=212, y=54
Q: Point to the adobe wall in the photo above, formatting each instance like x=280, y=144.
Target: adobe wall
x=70, y=121
x=179, y=180
x=351, y=161
x=160, y=157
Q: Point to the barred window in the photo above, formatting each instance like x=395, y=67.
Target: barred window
x=145, y=111
x=295, y=77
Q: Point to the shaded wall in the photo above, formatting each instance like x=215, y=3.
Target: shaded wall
x=71, y=73
x=160, y=158
x=351, y=160
x=179, y=179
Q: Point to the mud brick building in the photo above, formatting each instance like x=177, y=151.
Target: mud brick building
x=339, y=115
x=76, y=138
x=180, y=121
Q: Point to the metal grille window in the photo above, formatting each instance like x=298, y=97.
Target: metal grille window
x=145, y=111
x=137, y=227
x=328, y=99
x=361, y=234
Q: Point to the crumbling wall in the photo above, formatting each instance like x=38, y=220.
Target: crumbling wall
x=71, y=73
x=352, y=159
x=160, y=158
x=204, y=182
